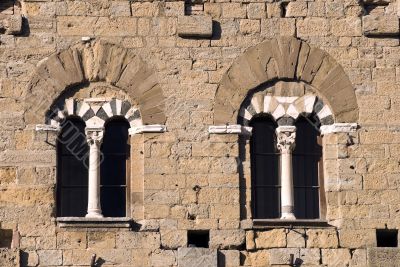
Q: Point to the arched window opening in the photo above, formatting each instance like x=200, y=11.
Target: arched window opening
x=72, y=161
x=264, y=169
x=113, y=169
x=307, y=168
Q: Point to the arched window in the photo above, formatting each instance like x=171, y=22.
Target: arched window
x=72, y=172
x=307, y=157
x=264, y=169
x=113, y=168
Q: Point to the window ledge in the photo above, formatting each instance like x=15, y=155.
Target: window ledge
x=83, y=222
x=300, y=223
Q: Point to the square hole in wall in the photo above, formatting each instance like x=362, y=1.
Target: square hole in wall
x=386, y=237
x=198, y=238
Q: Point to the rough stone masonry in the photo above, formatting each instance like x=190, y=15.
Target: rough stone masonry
x=188, y=67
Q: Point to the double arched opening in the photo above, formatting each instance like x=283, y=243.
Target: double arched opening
x=266, y=174
x=73, y=164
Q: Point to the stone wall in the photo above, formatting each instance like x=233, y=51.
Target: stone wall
x=186, y=178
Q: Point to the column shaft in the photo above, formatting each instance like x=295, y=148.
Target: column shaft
x=286, y=142
x=94, y=137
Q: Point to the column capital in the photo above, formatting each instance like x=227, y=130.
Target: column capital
x=94, y=135
x=286, y=137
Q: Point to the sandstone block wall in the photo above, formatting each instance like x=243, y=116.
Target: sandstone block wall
x=187, y=179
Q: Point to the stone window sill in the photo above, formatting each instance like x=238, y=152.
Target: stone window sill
x=300, y=223
x=83, y=222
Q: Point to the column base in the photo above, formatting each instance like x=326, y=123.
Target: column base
x=288, y=216
x=94, y=214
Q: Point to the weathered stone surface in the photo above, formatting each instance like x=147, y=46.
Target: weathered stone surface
x=195, y=26
x=350, y=238
x=227, y=239
x=380, y=25
x=50, y=257
x=197, y=257
x=296, y=239
x=336, y=257
x=296, y=9
x=9, y=257
x=322, y=238
x=12, y=25
x=283, y=256
x=383, y=256
x=173, y=239
x=270, y=239
x=133, y=240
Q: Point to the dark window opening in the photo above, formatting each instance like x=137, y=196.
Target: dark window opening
x=72, y=172
x=386, y=237
x=199, y=239
x=113, y=168
x=266, y=187
x=307, y=157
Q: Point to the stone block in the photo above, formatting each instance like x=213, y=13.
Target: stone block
x=12, y=25
x=310, y=256
x=313, y=27
x=249, y=26
x=173, y=239
x=162, y=258
x=229, y=258
x=197, y=257
x=7, y=175
x=101, y=240
x=132, y=240
x=275, y=238
x=195, y=26
x=71, y=240
x=9, y=257
x=174, y=8
x=296, y=9
x=227, y=239
x=350, y=238
x=257, y=258
x=350, y=26
x=50, y=257
x=233, y=10
x=256, y=11
x=283, y=255
x=296, y=238
x=322, y=238
x=359, y=258
x=386, y=25
x=383, y=256
x=336, y=257
x=250, y=237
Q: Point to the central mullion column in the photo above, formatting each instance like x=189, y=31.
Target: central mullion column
x=286, y=136
x=94, y=138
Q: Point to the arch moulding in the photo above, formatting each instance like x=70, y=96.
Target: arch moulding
x=95, y=62
x=285, y=59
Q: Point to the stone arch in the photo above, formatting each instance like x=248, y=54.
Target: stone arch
x=95, y=62
x=285, y=100
x=285, y=59
x=96, y=111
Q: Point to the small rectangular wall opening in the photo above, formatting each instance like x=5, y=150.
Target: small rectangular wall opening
x=386, y=237
x=198, y=238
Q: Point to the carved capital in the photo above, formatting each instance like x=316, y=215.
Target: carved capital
x=286, y=137
x=94, y=136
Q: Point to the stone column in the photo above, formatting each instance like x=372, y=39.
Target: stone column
x=286, y=136
x=94, y=138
